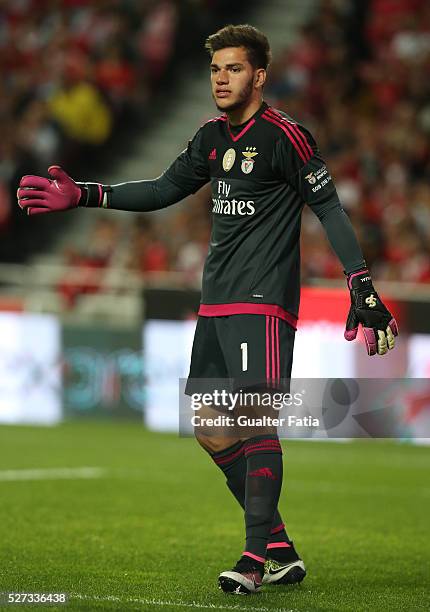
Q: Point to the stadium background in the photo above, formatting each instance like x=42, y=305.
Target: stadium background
x=97, y=309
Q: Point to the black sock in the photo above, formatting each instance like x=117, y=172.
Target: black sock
x=278, y=533
x=233, y=463
x=285, y=554
x=263, y=486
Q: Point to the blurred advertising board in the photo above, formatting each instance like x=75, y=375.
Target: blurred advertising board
x=419, y=356
x=320, y=352
x=51, y=370
x=102, y=372
x=30, y=369
x=167, y=357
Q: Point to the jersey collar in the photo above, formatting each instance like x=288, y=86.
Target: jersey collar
x=247, y=125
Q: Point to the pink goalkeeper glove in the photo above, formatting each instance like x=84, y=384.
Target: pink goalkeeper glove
x=38, y=195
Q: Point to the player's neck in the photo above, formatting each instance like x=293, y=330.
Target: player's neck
x=242, y=115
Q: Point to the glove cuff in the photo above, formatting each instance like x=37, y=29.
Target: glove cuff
x=359, y=279
x=94, y=195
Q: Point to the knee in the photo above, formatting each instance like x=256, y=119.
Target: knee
x=213, y=444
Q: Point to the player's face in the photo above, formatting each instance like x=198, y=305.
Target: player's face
x=233, y=78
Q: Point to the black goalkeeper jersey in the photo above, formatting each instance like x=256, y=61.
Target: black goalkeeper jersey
x=262, y=173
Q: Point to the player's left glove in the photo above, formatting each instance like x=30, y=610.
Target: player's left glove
x=379, y=325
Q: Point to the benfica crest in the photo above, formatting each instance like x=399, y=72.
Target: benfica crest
x=249, y=161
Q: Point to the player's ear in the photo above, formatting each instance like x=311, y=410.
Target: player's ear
x=259, y=78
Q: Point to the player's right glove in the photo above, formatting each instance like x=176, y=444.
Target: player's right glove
x=37, y=195
x=379, y=325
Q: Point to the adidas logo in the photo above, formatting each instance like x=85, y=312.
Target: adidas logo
x=212, y=155
x=264, y=473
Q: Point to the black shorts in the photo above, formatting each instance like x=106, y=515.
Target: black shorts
x=252, y=351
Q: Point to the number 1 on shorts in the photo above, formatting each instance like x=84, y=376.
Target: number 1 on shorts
x=244, y=349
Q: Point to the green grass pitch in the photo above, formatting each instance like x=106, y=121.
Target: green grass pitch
x=156, y=526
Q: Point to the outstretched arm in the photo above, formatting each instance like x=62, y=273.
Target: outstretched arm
x=37, y=195
x=186, y=175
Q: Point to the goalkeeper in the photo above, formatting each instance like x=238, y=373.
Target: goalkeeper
x=263, y=168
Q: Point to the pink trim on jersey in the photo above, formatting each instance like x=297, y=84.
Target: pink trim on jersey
x=242, y=132
x=278, y=364
x=297, y=138
x=295, y=128
x=256, y=557
x=301, y=136
x=100, y=194
x=351, y=276
x=273, y=352
x=294, y=143
x=267, y=351
x=236, y=308
x=214, y=119
x=278, y=545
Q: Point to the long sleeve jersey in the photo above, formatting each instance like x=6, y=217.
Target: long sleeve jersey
x=262, y=173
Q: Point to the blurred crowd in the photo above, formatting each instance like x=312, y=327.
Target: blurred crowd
x=77, y=78
x=167, y=249
x=71, y=70
x=356, y=77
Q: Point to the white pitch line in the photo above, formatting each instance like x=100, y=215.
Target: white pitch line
x=52, y=474
x=343, y=487
x=320, y=486
x=175, y=604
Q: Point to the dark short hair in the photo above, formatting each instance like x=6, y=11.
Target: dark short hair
x=254, y=41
